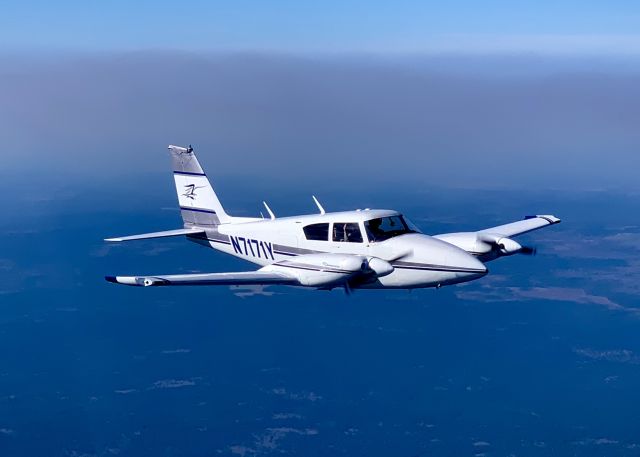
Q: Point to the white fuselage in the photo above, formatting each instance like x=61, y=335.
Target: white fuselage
x=418, y=260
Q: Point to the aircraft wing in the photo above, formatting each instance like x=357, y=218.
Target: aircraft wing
x=518, y=228
x=207, y=279
x=494, y=242
x=321, y=270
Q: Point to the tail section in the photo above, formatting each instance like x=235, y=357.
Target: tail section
x=199, y=203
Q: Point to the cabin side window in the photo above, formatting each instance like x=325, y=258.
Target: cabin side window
x=347, y=232
x=317, y=232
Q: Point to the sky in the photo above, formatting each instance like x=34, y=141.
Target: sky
x=495, y=93
x=331, y=26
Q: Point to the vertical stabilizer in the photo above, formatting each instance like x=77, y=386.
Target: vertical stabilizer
x=199, y=203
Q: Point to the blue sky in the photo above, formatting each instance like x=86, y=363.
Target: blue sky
x=330, y=26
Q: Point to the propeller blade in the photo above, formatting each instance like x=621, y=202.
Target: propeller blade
x=528, y=250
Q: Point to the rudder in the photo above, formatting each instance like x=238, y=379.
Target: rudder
x=198, y=201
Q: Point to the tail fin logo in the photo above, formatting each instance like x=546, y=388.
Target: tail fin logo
x=190, y=191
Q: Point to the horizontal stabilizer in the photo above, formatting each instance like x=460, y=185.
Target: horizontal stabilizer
x=164, y=234
x=207, y=279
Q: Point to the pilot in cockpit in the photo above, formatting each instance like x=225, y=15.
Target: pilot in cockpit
x=373, y=228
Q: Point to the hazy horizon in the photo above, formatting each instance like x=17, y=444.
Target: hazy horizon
x=501, y=120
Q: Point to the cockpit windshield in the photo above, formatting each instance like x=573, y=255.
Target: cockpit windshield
x=383, y=228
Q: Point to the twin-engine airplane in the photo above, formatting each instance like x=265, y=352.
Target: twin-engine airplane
x=362, y=249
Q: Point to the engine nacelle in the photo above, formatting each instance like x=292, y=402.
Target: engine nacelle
x=486, y=245
x=508, y=247
x=504, y=245
x=380, y=267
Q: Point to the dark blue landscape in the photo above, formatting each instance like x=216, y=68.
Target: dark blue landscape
x=541, y=357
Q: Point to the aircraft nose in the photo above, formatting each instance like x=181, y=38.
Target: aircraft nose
x=467, y=265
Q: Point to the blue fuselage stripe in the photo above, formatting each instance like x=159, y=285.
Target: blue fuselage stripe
x=199, y=210
x=188, y=173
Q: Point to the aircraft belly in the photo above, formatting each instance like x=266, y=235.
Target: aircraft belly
x=407, y=278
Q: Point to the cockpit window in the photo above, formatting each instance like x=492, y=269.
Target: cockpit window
x=347, y=231
x=383, y=228
x=319, y=232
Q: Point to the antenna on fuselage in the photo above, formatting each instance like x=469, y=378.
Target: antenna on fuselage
x=273, y=216
x=322, y=211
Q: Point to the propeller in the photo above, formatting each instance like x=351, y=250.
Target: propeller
x=528, y=250
x=372, y=266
